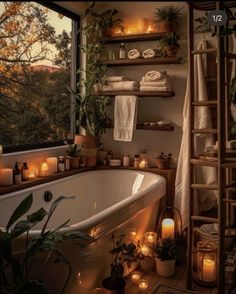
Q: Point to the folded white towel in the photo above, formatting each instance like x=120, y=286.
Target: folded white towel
x=133, y=54
x=165, y=79
x=148, y=53
x=119, y=86
x=125, y=116
x=116, y=78
x=154, y=75
x=167, y=83
x=161, y=88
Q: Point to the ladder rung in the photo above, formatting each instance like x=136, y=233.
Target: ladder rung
x=207, y=162
x=204, y=51
x=204, y=187
x=230, y=201
x=230, y=232
x=205, y=103
x=204, y=131
x=231, y=55
x=204, y=219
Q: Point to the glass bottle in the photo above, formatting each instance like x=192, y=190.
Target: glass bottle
x=17, y=174
x=136, y=161
x=144, y=158
x=122, y=51
x=61, y=164
x=24, y=171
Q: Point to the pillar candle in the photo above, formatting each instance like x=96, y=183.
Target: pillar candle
x=6, y=177
x=142, y=164
x=168, y=228
x=208, y=270
x=52, y=165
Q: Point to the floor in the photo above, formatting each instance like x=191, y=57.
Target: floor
x=178, y=281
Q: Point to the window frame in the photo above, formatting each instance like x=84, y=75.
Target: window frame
x=75, y=63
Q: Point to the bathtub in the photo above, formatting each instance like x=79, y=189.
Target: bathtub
x=105, y=201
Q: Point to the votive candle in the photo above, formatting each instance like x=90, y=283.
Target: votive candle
x=6, y=177
x=142, y=164
x=150, y=238
x=43, y=169
x=135, y=277
x=145, y=250
x=168, y=228
x=143, y=285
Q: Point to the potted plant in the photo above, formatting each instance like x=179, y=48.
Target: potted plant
x=16, y=272
x=122, y=254
x=167, y=18
x=170, y=44
x=164, y=161
x=73, y=154
x=165, y=257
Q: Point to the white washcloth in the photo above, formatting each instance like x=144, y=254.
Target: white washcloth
x=148, y=53
x=152, y=88
x=133, y=54
x=154, y=75
x=116, y=78
x=120, y=86
x=205, y=175
x=125, y=115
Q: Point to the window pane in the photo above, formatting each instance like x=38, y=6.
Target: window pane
x=35, y=54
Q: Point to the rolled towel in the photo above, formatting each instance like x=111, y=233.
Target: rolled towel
x=119, y=86
x=160, y=89
x=155, y=75
x=116, y=78
x=148, y=53
x=133, y=54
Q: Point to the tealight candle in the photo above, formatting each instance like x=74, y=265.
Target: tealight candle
x=135, y=277
x=6, y=177
x=52, y=165
x=208, y=270
x=143, y=285
x=133, y=233
x=145, y=250
x=150, y=238
x=149, y=29
x=168, y=228
x=142, y=164
x=43, y=169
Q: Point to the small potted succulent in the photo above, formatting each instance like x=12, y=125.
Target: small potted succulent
x=164, y=161
x=167, y=18
x=122, y=254
x=165, y=257
x=170, y=44
x=73, y=154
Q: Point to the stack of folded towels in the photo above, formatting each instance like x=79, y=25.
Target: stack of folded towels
x=118, y=83
x=156, y=81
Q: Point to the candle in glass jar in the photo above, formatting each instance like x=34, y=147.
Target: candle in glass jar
x=168, y=228
x=142, y=164
x=6, y=177
x=145, y=250
x=52, y=165
x=208, y=270
x=150, y=238
x=133, y=233
x=43, y=169
x=135, y=277
x=143, y=285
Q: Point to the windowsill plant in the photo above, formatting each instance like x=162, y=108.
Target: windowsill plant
x=167, y=18
x=164, y=161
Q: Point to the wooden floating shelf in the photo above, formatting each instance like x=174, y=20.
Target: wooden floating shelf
x=143, y=61
x=169, y=128
x=139, y=93
x=135, y=38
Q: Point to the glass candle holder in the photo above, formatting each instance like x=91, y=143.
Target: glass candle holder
x=143, y=286
x=43, y=170
x=150, y=238
x=135, y=277
x=206, y=263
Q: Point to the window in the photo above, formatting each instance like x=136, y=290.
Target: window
x=37, y=45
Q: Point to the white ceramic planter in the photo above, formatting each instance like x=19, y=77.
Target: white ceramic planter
x=165, y=268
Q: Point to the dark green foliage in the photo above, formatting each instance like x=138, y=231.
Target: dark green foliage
x=15, y=275
x=168, y=13
x=73, y=150
x=167, y=249
x=171, y=39
x=165, y=156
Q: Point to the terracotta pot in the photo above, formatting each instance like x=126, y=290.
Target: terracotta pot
x=162, y=163
x=118, y=288
x=86, y=141
x=74, y=162
x=166, y=26
x=171, y=50
x=165, y=268
x=147, y=263
x=91, y=154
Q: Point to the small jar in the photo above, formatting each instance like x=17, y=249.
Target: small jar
x=24, y=171
x=144, y=158
x=61, y=164
x=136, y=161
x=126, y=160
x=67, y=163
x=122, y=51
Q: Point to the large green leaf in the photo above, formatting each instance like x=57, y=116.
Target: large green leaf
x=20, y=228
x=37, y=216
x=21, y=209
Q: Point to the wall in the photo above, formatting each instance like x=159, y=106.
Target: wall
x=151, y=109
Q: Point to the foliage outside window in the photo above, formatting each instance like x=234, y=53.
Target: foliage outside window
x=35, y=60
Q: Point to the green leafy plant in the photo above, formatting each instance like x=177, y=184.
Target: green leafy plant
x=171, y=39
x=73, y=150
x=15, y=273
x=168, y=14
x=162, y=155
x=166, y=250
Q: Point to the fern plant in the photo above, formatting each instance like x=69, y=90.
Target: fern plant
x=168, y=14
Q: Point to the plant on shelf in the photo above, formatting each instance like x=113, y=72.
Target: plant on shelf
x=16, y=272
x=166, y=252
x=122, y=254
x=72, y=152
x=167, y=18
x=164, y=161
x=170, y=44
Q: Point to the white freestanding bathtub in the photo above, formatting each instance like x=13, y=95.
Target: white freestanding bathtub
x=105, y=201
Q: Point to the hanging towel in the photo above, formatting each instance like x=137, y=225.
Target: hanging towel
x=154, y=75
x=120, y=86
x=233, y=75
x=125, y=115
x=205, y=200
x=116, y=78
